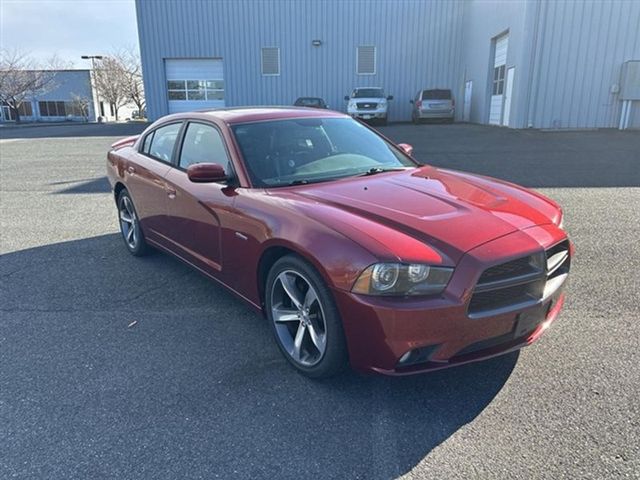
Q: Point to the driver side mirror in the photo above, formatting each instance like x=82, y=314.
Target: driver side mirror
x=406, y=148
x=206, y=173
x=390, y=97
x=346, y=98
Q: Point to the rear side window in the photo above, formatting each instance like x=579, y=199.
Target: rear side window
x=436, y=95
x=163, y=141
x=203, y=144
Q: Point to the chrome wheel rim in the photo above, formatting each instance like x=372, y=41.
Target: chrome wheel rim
x=128, y=222
x=299, y=318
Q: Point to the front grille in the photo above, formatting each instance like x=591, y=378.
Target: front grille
x=521, y=282
x=366, y=106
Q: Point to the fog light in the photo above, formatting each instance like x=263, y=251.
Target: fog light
x=417, y=355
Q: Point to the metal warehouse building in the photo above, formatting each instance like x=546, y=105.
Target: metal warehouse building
x=541, y=64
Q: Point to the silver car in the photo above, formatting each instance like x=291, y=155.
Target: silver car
x=436, y=103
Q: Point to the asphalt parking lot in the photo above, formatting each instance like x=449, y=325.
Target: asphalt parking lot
x=118, y=367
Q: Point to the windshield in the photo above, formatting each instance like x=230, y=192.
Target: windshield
x=368, y=93
x=288, y=152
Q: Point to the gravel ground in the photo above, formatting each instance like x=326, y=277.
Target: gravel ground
x=116, y=367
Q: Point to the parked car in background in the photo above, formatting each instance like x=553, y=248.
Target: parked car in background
x=313, y=102
x=368, y=103
x=355, y=253
x=434, y=104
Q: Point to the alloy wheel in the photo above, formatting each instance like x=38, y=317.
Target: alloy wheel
x=128, y=222
x=299, y=318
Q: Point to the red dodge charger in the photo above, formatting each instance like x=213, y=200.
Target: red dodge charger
x=354, y=251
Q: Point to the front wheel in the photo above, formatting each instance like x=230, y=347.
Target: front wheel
x=130, y=226
x=304, y=318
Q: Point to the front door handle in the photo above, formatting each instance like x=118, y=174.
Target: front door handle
x=131, y=170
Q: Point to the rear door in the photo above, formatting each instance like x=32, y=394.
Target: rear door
x=197, y=211
x=145, y=178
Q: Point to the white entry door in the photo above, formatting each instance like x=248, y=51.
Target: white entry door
x=466, y=107
x=497, y=89
x=508, y=90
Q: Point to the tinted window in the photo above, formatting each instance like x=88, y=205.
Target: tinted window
x=368, y=93
x=203, y=144
x=311, y=150
x=436, y=95
x=309, y=102
x=163, y=142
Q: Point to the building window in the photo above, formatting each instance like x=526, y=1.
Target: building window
x=25, y=109
x=195, y=90
x=102, y=109
x=498, y=80
x=366, y=61
x=52, y=108
x=271, y=61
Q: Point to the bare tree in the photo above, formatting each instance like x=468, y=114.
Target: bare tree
x=21, y=78
x=131, y=60
x=112, y=81
x=80, y=105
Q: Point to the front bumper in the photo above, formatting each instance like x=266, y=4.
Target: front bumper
x=380, y=331
x=368, y=114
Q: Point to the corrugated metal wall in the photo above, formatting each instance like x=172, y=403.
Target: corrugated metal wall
x=417, y=47
x=581, y=48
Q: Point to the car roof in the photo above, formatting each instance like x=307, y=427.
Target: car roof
x=258, y=114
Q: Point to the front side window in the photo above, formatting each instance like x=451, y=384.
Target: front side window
x=308, y=150
x=203, y=144
x=163, y=141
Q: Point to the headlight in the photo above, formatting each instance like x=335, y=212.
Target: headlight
x=402, y=279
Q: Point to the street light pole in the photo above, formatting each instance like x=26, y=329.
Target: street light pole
x=94, y=85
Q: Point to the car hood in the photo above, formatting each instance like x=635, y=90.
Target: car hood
x=451, y=212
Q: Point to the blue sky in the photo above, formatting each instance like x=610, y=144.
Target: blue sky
x=68, y=28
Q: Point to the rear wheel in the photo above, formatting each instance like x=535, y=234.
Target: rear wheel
x=130, y=226
x=304, y=318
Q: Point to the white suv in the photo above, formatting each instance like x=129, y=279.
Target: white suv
x=368, y=103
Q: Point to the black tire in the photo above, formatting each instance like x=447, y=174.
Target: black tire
x=138, y=247
x=335, y=357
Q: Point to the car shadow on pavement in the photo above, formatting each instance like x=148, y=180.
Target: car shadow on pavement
x=93, y=185
x=142, y=368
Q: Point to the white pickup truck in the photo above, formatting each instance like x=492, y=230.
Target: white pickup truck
x=368, y=103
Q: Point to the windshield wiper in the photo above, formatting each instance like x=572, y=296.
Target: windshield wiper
x=299, y=182
x=375, y=170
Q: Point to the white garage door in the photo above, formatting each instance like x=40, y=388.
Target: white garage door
x=497, y=90
x=194, y=84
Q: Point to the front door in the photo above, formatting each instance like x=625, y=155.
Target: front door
x=197, y=211
x=7, y=114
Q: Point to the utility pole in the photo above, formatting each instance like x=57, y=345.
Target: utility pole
x=94, y=84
